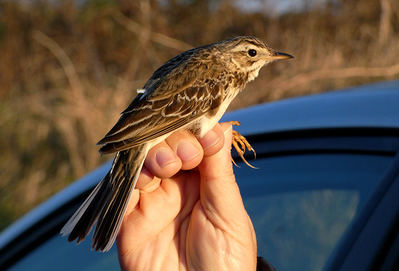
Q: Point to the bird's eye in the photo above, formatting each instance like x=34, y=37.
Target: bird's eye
x=252, y=52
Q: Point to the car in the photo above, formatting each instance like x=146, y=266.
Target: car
x=324, y=196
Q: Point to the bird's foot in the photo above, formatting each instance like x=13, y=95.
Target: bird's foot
x=241, y=144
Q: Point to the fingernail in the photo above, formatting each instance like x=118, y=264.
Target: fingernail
x=186, y=151
x=164, y=157
x=147, y=173
x=210, y=139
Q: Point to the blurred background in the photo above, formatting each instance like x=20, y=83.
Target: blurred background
x=68, y=68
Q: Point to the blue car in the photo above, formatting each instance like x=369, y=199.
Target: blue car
x=325, y=195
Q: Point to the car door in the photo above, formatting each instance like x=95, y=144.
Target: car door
x=315, y=195
x=323, y=199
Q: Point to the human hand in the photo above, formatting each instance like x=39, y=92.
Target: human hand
x=187, y=212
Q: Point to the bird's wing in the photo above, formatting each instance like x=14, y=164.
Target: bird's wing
x=182, y=97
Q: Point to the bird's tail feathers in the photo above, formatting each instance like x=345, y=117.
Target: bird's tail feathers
x=107, y=203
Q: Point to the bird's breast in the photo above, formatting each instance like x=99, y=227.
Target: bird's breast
x=208, y=121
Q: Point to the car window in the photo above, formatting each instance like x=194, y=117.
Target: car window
x=58, y=254
x=302, y=205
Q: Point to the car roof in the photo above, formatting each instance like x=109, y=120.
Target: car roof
x=371, y=106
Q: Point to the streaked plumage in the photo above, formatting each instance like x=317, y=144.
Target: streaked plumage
x=190, y=91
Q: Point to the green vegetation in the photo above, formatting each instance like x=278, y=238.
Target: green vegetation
x=67, y=68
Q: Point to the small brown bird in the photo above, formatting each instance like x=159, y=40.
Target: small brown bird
x=190, y=91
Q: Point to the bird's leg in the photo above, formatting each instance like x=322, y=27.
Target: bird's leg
x=241, y=144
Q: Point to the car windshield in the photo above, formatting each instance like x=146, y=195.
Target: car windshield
x=301, y=207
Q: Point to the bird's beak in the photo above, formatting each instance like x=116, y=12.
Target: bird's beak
x=279, y=55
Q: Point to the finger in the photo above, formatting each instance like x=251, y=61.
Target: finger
x=220, y=195
x=147, y=182
x=145, y=177
x=162, y=161
x=212, y=141
x=133, y=201
x=187, y=148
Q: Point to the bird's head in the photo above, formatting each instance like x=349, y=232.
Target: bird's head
x=250, y=54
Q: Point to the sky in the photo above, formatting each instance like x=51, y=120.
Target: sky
x=278, y=7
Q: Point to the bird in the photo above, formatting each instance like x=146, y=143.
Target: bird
x=190, y=91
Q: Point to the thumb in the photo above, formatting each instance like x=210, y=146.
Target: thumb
x=220, y=196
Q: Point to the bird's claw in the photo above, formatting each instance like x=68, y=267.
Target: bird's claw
x=241, y=144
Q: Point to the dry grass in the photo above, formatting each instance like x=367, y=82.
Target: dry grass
x=66, y=71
